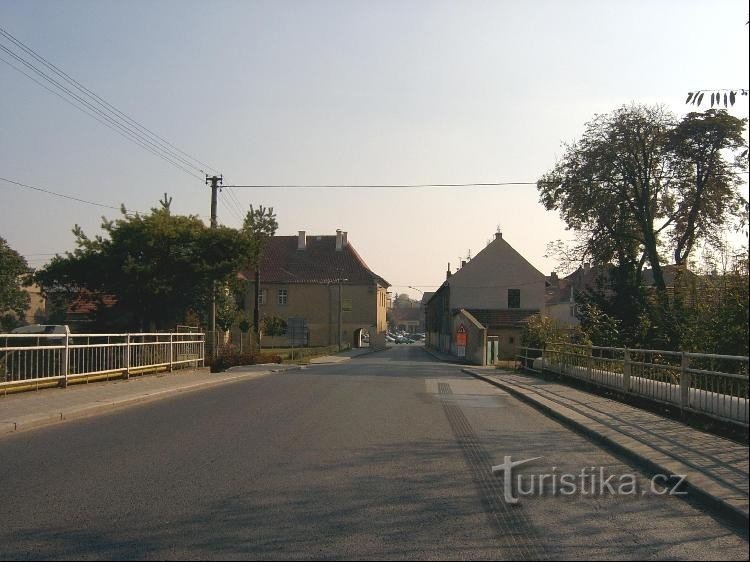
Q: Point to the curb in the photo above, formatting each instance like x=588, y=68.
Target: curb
x=443, y=359
x=692, y=480
x=10, y=427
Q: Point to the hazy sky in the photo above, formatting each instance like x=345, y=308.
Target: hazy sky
x=313, y=92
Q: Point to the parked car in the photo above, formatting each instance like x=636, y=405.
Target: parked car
x=34, y=362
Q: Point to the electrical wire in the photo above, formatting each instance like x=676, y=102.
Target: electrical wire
x=104, y=103
x=378, y=186
x=102, y=121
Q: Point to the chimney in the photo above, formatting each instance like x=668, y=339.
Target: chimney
x=586, y=267
x=339, y=240
x=463, y=263
x=448, y=273
x=498, y=234
x=301, y=240
x=344, y=239
x=554, y=279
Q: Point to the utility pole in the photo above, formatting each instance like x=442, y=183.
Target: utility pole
x=341, y=304
x=215, y=181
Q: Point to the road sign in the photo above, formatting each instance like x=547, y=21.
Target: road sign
x=461, y=336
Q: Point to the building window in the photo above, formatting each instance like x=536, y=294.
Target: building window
x=511, y=339
x=283, y=295
x=514, y=298
x=261, y=297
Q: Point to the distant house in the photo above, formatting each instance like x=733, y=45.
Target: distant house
x=562, y=293
x=408, y=319
x=479, y=312
x=321, y=287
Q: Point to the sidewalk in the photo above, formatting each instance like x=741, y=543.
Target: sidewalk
x=27, y=410
x=716, y=469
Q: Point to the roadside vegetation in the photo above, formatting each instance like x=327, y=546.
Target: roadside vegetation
x=641, y=189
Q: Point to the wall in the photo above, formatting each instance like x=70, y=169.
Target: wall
x=484, y=281
x=318, y=305
x=476, y=337
x=509, y=340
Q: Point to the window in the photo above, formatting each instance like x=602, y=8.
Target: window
x=282, y=294
x=261, y=297
x=514, y=298
x=511, y=339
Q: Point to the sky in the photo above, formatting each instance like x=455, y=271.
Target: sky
x=343, y=92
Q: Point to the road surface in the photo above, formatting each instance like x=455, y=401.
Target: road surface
x=386, y=456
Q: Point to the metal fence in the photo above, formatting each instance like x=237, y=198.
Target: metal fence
x=712, y=385
x=35, y=358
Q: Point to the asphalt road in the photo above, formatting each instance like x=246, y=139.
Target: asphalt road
x=385, y=456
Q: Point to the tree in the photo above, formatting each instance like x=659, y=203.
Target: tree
x=259, y=225
x=13, y=299
x=157, y=267
x=274, y=326
x=638, y=182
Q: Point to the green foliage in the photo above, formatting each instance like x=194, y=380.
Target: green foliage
x=13, y=271
x=600, y=328
x=640, y=188
x=540, y=331
x=259, y=225
x=226, y=307
x=231, y=356
x=274, y=326
x=717, y=321
x=157, y=266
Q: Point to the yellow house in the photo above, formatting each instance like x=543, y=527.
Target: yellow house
x=322, y=288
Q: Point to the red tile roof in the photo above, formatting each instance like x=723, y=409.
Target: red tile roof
x=319, y=262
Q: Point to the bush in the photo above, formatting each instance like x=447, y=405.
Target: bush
x=230, y=356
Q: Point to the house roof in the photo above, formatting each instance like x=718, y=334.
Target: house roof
x=86, y=302
x=501, y=318
x=558, y=290
x=319, y=262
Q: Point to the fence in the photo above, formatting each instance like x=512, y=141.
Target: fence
x=712, y=385
x=50, y=358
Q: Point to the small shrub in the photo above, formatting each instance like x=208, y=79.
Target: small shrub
x=230, y=356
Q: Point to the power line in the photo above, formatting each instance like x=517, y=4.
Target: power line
x=74, y=198
x=379, y=186
x=106, y=113
x=98, y=98
x=122, y=133
x=62, y=195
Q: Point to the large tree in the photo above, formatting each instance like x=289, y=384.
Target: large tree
x=639, y=188
x=157, y=266
x=13, y=299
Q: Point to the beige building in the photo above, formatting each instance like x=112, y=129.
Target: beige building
x=497, y=290
x=322, y=289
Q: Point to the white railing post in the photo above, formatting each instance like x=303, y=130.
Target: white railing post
x=626, y=366
x=127, y=356
x=171, y=351
x=66, y=361
x=684, y=381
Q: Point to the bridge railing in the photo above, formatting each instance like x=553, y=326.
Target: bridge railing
x=712, y=385
x=47, y=358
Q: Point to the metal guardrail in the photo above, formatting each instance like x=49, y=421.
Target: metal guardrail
x=713, y=385
x=34, y=358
